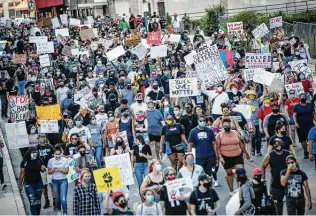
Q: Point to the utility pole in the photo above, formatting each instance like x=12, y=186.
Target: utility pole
x=145, y=14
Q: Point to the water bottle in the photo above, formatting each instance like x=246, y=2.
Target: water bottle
x=263, y=201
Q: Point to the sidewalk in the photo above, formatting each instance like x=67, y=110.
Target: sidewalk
x=10, y=198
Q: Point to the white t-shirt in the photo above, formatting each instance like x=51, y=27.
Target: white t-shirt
x=61, y=94
x=61, y=164
x=101, y=118
x=222, y=98
x=155, y=209
x=83, y=132
x=136, y=107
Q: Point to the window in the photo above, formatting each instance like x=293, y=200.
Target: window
x=11, y=4
x=0, y=5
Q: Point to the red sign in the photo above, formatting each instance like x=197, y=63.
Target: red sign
x=154, y=37
x=48, y=3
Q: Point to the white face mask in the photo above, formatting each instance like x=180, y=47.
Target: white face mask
x=234, y=91
x=176, y=112
x=33, y=78
x=234, y=109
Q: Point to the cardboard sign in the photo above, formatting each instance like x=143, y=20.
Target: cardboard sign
x=258, y=60
x=74, y=22
x=209, y=66
x=115, y=53
x=86, y=34
x=51, y=112
x=16, y=135
x=123, y=162
x=245, y=110
x=276, y=22
x=47, y=47
x=174, y=38
x=297, y=87
x=55, y=23
x=38, y=39
x=154, y=37
x=260, y=31
x=276, y=85
x=183, y=87
x=181, y=187
x=72, y=174
x=64, y=19
x=49, y=126
x=19, y=59
x=263, y=77
x=106, y=42
x=107, y=179
x=235, y=27
x=44, y=60
x=19, y=108
x=300, y=66
x=63, y=32
x=158, y=51
x=140, y=50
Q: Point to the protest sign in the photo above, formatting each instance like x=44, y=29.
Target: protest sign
x=84, y=97
x=234, y=27
x=86, y=34
x=245, y=110
x=46, y=82
x=19, y=59
x=67, y=51
x=276, y=85
x=183, y=87
x=90, y=20
x=72, y=174
x=300, y=66
x=19, y=108
x=44, y=60
x=276, y=22
x=75, y=52
x=121, y=134
x=154, y=37
x=107, y=179
x=38, y=39
x=209, y=66
x=61, y=39
x=45, y=47
x=16, y=135
x=64, y=19
x=297, y=87
x=174, y=38
x=45, y=22
x=181, y=187
x=260, y=31
x=263, y=77
x=80, y=94
x=140, y=50
x=258, y=60
x=115, y=53
x=189, y=58
x=158, y=51
x=51, y=112
x=249, y=74
x=55, y=23
x=123, y=162
x=92, y=81
x=74, y=22
x=106, y=42
x=49, y=126
x=63, y=32
x=293, y=41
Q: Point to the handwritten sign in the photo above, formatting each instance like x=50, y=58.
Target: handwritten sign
x=74, y=22
x=140, y=50
x=51, y=112
x=123, y=162
x=189, y=58
x=107, y=179
x=276, y=85
x=154, y=37
x=115, y=53
x=263, y=77
x=49, y=126
x=258, y=60
x=297, y=87
x=276, y=22
x=16, y=135
x=174, y=38
x=38, y=39
x=19, y=108
x=86, y=34
x=181, y=187
x=106, y=42
x=67, y=51
x=245, y=110
x=64, y=19
x=63, y=32
x=19, y=59
x=300, y=66
x=44, y=60
x=249, y=74
x=55, y=23
x=45, y=47
x=209, y=66
x=72, y=174
x=260, y=31
x=158, y=51
x=234, y=27
x=80, y=94
x=183, y=87
x=61, y=39
x=92, y=81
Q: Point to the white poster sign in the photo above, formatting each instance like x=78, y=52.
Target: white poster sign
x=260, y=31
x=38, y=39
x=292, y=41
x=115, y=53
x=183, y=87
x=263, y=77
x=74, y=22
x=55, y=23
x=49, y=126
x=91, y=81
x=258, y=60
x=63, y=32
x=64, y=19
x=72, y=174
x=174, y=38
x=106, y=42
x=249, y=74
x=75, y=52
x=90, y=20
x=276, y=22
x=80, y=94
x=189, y=58
x=47, y=47
x=300, y=66
x=123, y=161
x=234, y=27
x=276, y=85
x=140, y=50
x=16, y=135
x=44, y=60
x=181, y=187
x=19, y=108
x=245, y=110
x=158, y=51
x=297, y=87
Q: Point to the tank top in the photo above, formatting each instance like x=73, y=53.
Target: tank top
x=155, y=183
x=277, y=164
x=126, y=127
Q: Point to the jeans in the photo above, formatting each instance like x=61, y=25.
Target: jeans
x=4, y=103
x=21, y=86
x=256, y=141
x=34, y=194
x=130, y=141
x=141, y=170
x=295, y=206
x=1, y=171
x=209, y=166
x=97, y=154
x=60, y=187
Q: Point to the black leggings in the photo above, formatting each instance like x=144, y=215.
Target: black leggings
x=1, y=171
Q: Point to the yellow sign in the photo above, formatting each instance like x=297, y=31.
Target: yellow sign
x=51, y=112
x=107, y=179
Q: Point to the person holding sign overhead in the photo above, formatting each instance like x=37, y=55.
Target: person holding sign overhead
x=120, y=202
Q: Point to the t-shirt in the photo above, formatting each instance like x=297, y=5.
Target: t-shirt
x=312, y=136
x=294, y=185
x=200, y=100
x=154, y=118
x=156, y=96
x=240, y=118
x=61, y=164
x=155, y=209
x=254, y=108
x=32, y=170
x=83, y=133
x=222, y=98
x=202, y=140
x=145, y=149
x=118, y=212
x=234, y=98
x=194, y=175
x=46, y=152
x=71, y=148
x=304, y=114
x=96, y=131
x=136, y=107
x=287, y=141
x=204, y=202
x=290, y=103
x=172, y=133
x=175, y=207
x=271, y=120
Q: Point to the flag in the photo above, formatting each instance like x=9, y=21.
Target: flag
x=221, y=30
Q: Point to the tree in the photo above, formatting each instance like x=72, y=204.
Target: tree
x=210, y=21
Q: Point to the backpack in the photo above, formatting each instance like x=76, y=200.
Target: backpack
x=252, y=208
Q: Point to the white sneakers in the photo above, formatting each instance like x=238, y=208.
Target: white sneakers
x=215, y=183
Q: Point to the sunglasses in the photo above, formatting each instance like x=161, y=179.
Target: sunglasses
x=82, y=152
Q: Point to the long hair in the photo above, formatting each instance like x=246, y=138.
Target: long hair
x=141, y=139
x=27, y=156
x=151, y=165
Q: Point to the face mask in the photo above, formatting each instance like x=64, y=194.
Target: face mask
x=82, y=154
x=94, y=121
x=166, y=103
x=258, y=178
x=293, y=165
x=292, y=95
x=219, y=89
x=303, y=100
x=234, y=109
x=251, y=97
x=176, y=112
x=41, y=140
x=150, y=198
x=33, y=131
x=234, y=91
x=278, y=148
x=158, y=168
x=87, y=180
x=57, y=157
x=33, y=78
x=302, y=77
x=125, y=115
x=155, y=87
x=190, y=161
x=78, y=123
x=123, y=204
x=275, y=110
x=188, y=109
x=202, y=124
x=139, y=101
x=33, y=156
x=111, y=118
x=283, y=133
x=207, y=185
x=119, y=143
x=227, y=128
x=129, y=87
x=267, y=101
x=169, y=122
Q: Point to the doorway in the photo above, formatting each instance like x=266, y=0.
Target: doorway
x=161, y=8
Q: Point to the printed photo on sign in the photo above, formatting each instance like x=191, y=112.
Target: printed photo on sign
x=181, y=187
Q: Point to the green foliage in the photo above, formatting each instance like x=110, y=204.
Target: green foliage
x=169, y=19
x=307, y=17
x=211, y=19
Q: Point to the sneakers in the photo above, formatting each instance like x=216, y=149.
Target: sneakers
x=259, y=154
x=59, y=212
x=306, y=155
x=216, y=184
x=47, y=204
x=231, y=193
x=251, y=158
x=4, y=186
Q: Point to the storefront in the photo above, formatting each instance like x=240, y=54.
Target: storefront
x=49, y=8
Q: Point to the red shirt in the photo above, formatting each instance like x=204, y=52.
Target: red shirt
x=264, y=111
x=307, y=85
x=290, y=103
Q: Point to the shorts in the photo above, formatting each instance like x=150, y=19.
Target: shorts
x=302, y=133
x=291, y=120
x=231, y=162
x=171, y=149
x=145, y=136
x=277, y=194
x=154, y=138
x=46, y=178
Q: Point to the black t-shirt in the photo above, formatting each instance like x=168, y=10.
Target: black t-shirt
x=173, y=134
x=32, y=172
x=118, y=212
x=240, y=118
x=156, y=95
x=176, y=207
x=294, y=185
x=200, y=100
x=287, y=141
x=14, y=91
x=71, y=147
x=203, y=202
x=272, y=122
x=234, y=98
x=2, y=85
x=50, y=98
x=145, y=150
x=188, y=123
x=46, y=152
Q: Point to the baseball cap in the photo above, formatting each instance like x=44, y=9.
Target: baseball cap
x=204, y=177
x=78, y=118
x=240, y=172
x=256, y=171
x=278, y=140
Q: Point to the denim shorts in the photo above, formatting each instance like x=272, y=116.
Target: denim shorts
x=291, y=120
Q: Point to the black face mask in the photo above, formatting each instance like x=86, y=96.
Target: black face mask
x=123, y=204
x=278, y=148
x=303, y=100
x=119, y=143
x=125, y=115
x=139, y=101
x=129, y=87
x=155, y=87
x=227, y=129
x=188, y=109
x=275, y=110
x=208, y=185
x=257, y=178
x=283, y=133
x=82, y=154
x=69, y=96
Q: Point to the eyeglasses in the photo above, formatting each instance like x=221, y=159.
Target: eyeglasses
x=172, y=174
x=74, y=138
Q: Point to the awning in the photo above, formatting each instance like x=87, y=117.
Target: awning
x=22, y=6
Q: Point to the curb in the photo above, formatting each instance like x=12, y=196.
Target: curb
x=16, y=193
